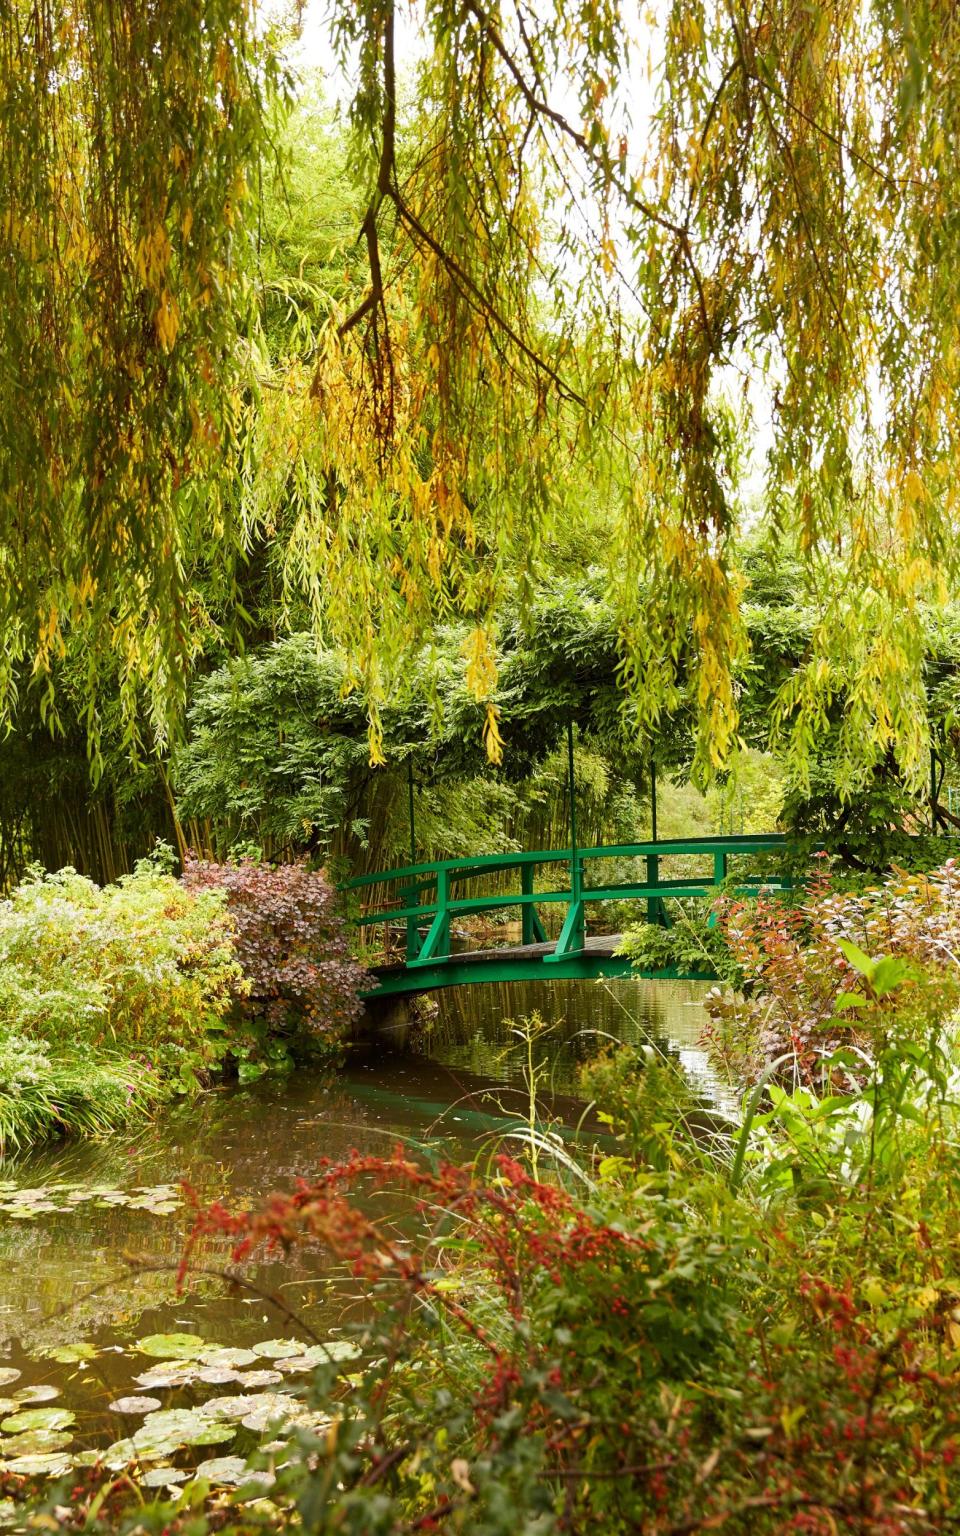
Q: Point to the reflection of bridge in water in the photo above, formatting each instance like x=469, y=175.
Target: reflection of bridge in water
x=429, y=899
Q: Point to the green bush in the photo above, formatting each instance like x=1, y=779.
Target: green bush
x=108, y=998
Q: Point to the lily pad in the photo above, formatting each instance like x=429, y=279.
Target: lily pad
x=172, y=1427
x=299, y=1417
x=172, y=1346
x=37, y=1442
x=43, y=1392
x=71, y=1354
x=87, y=1458
x=38, y=1418
x=259, y=1378
x=276, y=1404
x=163, y=1477
x=169, y=1375
x=229, y=1359
x=54, y=1464
x=277, y=1349
x=138, y=1405
x=320, y=1354
x=9, y=1374
x=228, y=1470
x=218, y=1375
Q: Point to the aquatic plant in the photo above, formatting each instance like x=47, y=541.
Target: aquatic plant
x=69, y=1094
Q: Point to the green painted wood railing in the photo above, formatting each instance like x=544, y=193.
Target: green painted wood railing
x=428, y=896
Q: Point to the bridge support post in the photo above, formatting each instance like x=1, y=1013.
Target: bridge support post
x=719, y=875
x=532, y=930
x=572, y=938
x=410, y=895
x=436, y=945
x=656, y=911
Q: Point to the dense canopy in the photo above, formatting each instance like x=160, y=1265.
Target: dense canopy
x=746, y=294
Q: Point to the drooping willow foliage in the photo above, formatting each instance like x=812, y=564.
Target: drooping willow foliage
x=127, y=134
x=585, y=304
x=550, y=295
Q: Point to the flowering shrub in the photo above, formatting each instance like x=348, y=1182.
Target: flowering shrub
x=291, y=944
x=809, y=985
x=143, y=966
x=109, y=999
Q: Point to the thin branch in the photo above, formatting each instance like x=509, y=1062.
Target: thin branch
x=483, y=303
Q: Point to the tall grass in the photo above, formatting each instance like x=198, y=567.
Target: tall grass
x=44, y=1095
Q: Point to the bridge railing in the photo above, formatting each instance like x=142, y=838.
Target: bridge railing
x=429, y=896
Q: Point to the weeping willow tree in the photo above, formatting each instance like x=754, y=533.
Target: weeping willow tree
x=549, y=294
x=127, y=134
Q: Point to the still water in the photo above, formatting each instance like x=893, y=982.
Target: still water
x=80, y=1219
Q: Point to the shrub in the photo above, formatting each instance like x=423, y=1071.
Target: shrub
x=811, y=985
x=143, y=966
x=291, y=942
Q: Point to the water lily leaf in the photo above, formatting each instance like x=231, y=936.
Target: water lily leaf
x=70, y=1354
x=217, y=1375
x=277, y=1349
x=276, y=1404
x=8, y=1374
x=54, y=1464
x=135, y=1405
x=169, y=1375
x=172, y=1346
x=43, y=1392
x=119, y=1455
x=163, y=1477
x=259, y=1378
x=38, y=1418
x=173, y=1427
x=228, y=1358
x=299, y=1418
x=228, y=1470
x=8, y=1405
x=37, y=1442
x=320, y=1354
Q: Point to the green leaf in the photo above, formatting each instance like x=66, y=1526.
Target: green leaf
x=858, y=959
x=173, y=1346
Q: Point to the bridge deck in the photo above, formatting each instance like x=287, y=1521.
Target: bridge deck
x=513, y=962
x=600, y=946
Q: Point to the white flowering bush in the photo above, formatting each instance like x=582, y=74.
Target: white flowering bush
x=144, y=971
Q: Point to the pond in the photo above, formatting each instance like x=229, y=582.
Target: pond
x=92, y=1232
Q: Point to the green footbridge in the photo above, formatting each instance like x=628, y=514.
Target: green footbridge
x=422, y=905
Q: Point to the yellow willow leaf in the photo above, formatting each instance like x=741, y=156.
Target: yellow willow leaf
x=492, y=739
x=481, y=668
x=375, y=745
x=914, y=490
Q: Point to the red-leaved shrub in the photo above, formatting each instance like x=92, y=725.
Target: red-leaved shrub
x=291, y=942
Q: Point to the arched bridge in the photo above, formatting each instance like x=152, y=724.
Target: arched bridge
x=421, y=906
